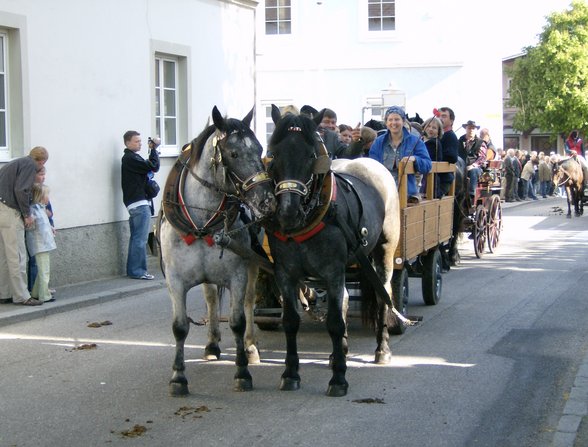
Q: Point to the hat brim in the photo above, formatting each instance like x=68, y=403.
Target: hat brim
x=465, y=126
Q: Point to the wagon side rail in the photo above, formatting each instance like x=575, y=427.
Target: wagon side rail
x=425, y=225
x=406, y=166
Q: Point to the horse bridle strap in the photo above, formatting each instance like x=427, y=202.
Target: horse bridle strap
x=252, y=181
x=294, y=186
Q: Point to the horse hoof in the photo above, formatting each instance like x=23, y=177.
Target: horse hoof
x=337, y=390
x=212, y=353
x=252, y=355
x=243, y=385
x=177, y=389
x=288, y=384
x=383, y=358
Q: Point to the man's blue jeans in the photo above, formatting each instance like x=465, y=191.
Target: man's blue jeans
x=139, y=222
x=474, y=175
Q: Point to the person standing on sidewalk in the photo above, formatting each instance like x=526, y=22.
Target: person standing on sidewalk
x=16, y=182
x=41, y=242
x=134, y=176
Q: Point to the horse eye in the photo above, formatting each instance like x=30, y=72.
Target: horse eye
x=234, y=154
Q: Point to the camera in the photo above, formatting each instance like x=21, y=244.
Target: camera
x=153, y=144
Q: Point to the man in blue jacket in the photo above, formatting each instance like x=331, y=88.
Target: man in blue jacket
x=397, y=143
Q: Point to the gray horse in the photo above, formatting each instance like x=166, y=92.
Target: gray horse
x=204, y=195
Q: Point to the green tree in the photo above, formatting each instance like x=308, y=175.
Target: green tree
x=550, y=83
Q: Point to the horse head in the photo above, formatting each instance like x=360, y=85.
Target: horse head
x=236, y=164
x=297, y=164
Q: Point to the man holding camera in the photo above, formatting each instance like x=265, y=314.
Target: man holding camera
x=134, y=175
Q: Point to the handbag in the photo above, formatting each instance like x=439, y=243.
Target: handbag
x=151, y=189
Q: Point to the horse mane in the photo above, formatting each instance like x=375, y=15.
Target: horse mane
x=198, y=143
x=289, y=121
x=416, y=119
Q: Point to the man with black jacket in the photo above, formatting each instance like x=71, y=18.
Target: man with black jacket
x=473, y=150
x=134, y=176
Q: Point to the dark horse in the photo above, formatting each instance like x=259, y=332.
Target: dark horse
x=205, y=191
x=317, y=234
x=569, y=174
x=460, y=214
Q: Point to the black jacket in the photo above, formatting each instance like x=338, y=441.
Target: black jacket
x=134, y=170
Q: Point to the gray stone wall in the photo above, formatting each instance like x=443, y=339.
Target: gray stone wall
x=92, y=252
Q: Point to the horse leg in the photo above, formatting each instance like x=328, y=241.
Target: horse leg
x=345, y=308
x=178, y=385
x=577, y=202
x=290, y=380
x=250, y=348
x=384, y=265
x=212, y=350
x=454, y=257
x=337, y=329
x=569, y=197
x=242, y=378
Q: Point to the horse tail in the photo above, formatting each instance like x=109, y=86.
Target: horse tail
x=369, y=302
x=160, y=218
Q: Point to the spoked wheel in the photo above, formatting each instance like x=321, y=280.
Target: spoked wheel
x=480, y=230
x=400, y=300
x=432, y=280
x=494, y=222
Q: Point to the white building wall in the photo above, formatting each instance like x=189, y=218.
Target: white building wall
x=440, y=55
x=88, y=77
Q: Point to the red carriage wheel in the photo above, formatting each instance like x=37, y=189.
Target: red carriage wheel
x=494, y=222
x=480, y=230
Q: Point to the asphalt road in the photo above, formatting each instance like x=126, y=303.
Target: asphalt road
x=491, y=365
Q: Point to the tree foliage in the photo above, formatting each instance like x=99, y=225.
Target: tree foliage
x=550, y=83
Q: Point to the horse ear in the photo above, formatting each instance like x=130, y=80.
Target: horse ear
x=276, y=115
x=217, y=119
x=248, y=117
x=318, y=118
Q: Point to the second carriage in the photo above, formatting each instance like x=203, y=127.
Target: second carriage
x=483, y=219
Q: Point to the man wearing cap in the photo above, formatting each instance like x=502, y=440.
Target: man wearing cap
x=398, y=143
x=473, y=150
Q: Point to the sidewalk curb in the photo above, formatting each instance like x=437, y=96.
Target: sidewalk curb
x=19, y=314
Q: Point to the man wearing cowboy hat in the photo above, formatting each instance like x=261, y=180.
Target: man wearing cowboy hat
x=473, y=150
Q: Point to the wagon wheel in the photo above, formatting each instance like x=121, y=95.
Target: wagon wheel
x=432, y=280
x=480, y=231
x=494, y=223
x=400, y=300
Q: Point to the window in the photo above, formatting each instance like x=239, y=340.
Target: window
x=511, y=141
x=166, y=95
x=266, y=122
x=381, y=15
x=278, y=17
x=170, y=91
x=3, y=96
x=13, y=76
x=543, y=143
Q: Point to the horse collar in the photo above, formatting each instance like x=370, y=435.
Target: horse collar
x=328, y=195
